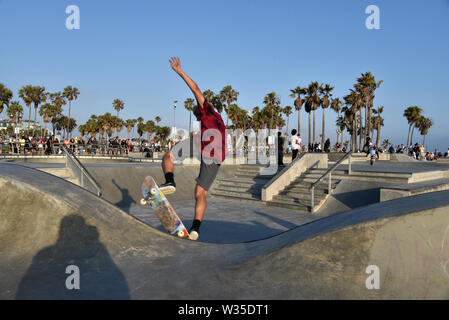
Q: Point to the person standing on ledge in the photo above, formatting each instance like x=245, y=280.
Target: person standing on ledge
x=212, y=150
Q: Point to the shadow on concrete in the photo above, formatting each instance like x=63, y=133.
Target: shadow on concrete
x=78, y=244
x=286, y=224
x=213, y=231
x=127, y=200
x=355, y=199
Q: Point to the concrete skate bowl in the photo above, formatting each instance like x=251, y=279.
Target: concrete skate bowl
x=47, y=224
x=122, y=184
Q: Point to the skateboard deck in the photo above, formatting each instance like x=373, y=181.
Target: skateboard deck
x=153, y=197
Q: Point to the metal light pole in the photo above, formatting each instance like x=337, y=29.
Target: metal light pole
x=174, y=115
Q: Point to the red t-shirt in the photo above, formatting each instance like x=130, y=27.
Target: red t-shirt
x=210, y=119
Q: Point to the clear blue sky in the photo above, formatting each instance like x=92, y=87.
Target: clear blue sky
x=122, y=51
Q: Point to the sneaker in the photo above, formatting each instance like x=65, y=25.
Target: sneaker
x=168, y=188
x=194, y=234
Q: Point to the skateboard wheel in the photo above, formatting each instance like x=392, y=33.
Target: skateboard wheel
x=153, y=191
x=143, y=202
x=181, y=234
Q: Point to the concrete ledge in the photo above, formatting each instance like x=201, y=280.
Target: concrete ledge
x=392, y=193
x=292, y=171
x=429, y=175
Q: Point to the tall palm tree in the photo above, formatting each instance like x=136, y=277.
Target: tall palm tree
x=228, y=96
x=424, y=126
x=287, y=111
x=5, y=97
x=297, y=94
x=70, y=93
x=325, y=102
x=336, y=106
x=188, y=104
x=359, y=103
x=157, y=119
x=272, y=104
x=118, y=105
x=366, y=86
x=39, y=96
x=341, y=126
x=351, y=109
x=378, y=122
x=26, y=94
x=412, y=115
x=313, y=100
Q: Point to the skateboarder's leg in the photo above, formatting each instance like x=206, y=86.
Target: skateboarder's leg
x=208, y=173
x=168, y=163
x=201, y=202
x=168, y=167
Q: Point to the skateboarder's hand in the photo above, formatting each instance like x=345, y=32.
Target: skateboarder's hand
x=176, y=64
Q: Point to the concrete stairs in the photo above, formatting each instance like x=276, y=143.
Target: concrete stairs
x=63, y=173
x=246, y=185
x=297, y=195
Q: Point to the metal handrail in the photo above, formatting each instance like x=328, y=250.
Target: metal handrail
x=329, y=173
x=84, y=172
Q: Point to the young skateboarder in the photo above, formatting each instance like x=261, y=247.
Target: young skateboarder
x=211, y=150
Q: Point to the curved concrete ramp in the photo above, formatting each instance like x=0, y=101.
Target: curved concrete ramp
x=47, y=224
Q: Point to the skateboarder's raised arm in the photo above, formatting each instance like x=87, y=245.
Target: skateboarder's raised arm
x=176, y=66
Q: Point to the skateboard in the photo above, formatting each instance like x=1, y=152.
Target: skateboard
x=154, y=197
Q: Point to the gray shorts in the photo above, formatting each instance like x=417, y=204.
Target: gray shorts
x=208, y=173
x=208, y=168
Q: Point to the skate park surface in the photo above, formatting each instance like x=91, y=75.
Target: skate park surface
x=246, y=252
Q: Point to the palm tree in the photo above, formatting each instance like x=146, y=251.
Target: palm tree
x=272, y=104
x=350, y=111
x=296, y=94
x=228, y=96
x=5, y=97
x=313, y=101
x=424, y=127
x=366, y=85
x=150, y=128
x=325, y=102
x=26, y=94
x=39, y=96
x=341, y=126
x=188, y=104
x=50, y=113
x=336, y=106
x=287, y=111
x=118, y=105
x=157, y=119
x=214, y=99
x=70, y=94
x=129, y=124
x=412, y=115
x=58, y=100
x=14, y=110
x=378, y=122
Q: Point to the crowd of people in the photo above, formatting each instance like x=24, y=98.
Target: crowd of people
x=115, y=146
x=51, y=145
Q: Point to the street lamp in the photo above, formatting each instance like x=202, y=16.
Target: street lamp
x=174, y=117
